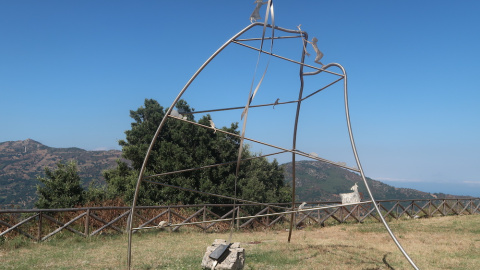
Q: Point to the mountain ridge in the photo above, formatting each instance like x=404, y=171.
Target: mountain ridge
x=320, y=181
x=22, y=161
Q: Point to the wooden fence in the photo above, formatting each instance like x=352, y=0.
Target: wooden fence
x=41, y=224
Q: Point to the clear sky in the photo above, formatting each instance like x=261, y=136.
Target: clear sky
x=70, y=71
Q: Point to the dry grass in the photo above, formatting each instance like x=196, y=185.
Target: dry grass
x=437, y=243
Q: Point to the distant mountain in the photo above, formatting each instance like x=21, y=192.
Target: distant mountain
x=320, y=181
x=22, y=161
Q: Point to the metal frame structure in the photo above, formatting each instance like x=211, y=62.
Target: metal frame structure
x=294, y=151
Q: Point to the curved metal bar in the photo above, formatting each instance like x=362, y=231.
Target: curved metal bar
x=242, y=108
x=294, y=143
x=318, y=70
x=160, y=126
x=162, y=123
x=212, y=165
x=294, y=151
x=352, y=142
x=211, y=194
x=323, y=88
x=254, y=39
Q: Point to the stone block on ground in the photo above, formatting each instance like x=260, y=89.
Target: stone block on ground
x=235, y=259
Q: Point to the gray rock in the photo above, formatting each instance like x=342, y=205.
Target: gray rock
x=235, y=260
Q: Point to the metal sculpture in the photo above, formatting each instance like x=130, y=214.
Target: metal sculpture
x=235, y=40
x=317, y=51
x=256, y=12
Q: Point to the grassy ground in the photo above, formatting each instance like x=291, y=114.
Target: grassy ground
x=437, y=243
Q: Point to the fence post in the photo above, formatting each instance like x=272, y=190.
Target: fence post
x=238, y=217
x=169, y=217
x=268, y=217
x=412, y=209
x=430, y=208
x=204, y=218
x=39, y=234
x=87, y=223
x=342, y=214
x=444, y=208
x=318, y=214
x=396, y=209
x=130, y=216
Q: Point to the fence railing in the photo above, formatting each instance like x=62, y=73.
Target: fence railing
x=41, y=224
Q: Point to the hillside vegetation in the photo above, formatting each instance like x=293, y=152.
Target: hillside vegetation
x=22, y=161
x=180, y=147
x=319, y=181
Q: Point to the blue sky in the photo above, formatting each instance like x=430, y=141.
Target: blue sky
x=70, y=71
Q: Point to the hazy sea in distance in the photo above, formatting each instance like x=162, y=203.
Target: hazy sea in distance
x=460, y=188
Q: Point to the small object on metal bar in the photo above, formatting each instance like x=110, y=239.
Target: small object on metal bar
x=256, y=12
x=212, y=125
x=276, y=102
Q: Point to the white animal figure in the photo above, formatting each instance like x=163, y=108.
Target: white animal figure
x=256, y=12
x=176, y=114
x=353, y=197
x=162, y=224
x=302, y=206
x=212, y=125
x=301, y=214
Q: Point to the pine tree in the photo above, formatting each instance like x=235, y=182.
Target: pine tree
x=60, y=188
x=182, y=146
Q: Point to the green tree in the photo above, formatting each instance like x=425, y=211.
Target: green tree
x=120, y=182
x=182, y=146
x=60, y=188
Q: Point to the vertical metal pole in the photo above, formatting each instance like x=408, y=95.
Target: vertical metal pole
x=294, y=144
